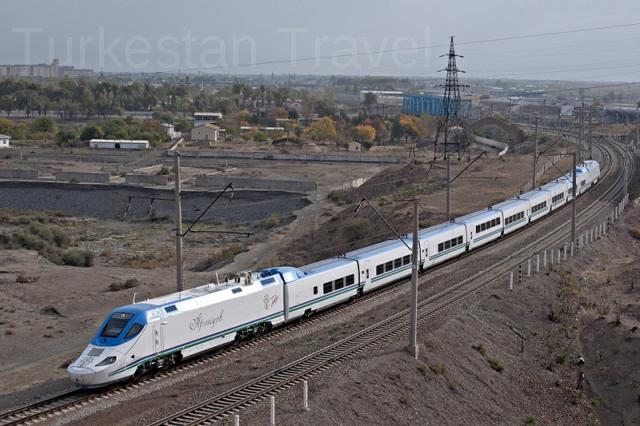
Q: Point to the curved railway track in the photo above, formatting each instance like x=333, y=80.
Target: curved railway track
x=219, y=406
x=68, y=401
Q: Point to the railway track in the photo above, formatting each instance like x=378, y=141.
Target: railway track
x=66, y=402
x=243, y=396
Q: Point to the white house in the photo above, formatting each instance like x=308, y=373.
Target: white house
x=4, y=141
x=170, y=130
x=118, y=144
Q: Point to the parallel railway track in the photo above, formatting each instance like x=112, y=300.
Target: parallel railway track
x=218, y=407
x=65, y=402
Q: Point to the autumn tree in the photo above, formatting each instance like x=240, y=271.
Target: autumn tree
x=364, y=134
x=322, y=130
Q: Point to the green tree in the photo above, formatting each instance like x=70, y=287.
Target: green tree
x=91, y=131
x=67, y=137
x=370, y=99
x=7, y=104
x=44, y=125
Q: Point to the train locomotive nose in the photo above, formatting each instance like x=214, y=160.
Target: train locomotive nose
x=82, y=376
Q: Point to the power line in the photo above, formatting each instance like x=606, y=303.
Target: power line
x=408, y=49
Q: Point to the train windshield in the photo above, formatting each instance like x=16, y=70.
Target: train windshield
x=116, y=324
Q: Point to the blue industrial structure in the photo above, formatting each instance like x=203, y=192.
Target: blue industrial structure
x=432, y=105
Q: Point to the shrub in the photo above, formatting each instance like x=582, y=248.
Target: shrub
x=78, y=257
x=480, y=348
x=529, y=420
x=218, y=258
x=561, y=359
x=164, y=170
x=272, y=221
x=495, y=364
x=438, y=368
x=130, y=283
x=26, y=279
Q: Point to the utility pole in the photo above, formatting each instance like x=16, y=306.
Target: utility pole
x=626, y=154
x=573, y=202
x=415, y=259
x=535, y=155
x=581, y=138
x=590, y=133
x=448, y=188
x=178, y=223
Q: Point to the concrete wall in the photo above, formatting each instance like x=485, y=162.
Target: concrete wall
x=83, y=177
x=503, y=147
x=18, y=174
x=147, y=179
x=248, y=183
x=339, y=158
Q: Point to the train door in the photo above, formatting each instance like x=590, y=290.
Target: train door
x=157, y=337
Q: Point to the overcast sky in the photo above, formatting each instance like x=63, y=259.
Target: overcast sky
x=217, y=36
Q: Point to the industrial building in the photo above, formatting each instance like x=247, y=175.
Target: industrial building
x=200, y=118
x=118, y=144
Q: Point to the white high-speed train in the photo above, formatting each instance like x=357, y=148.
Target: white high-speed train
x=137, y=338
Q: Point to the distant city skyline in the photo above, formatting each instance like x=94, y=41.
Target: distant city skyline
x=306, y=37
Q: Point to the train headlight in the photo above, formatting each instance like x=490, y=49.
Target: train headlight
x=107, y=361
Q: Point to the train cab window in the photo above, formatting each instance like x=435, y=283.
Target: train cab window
x=379, y=269
x=338, y=284
x=406, y=260
x=170, y=308
x=315, y=290
x=397, y=263
x=116, y=324
x=327, y=287
x=350, y=279
x=388, y=266
x=133, y=331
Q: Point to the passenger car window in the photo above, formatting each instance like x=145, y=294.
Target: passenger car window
x=327, y=287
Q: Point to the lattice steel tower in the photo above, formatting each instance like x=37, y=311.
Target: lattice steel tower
x=451, y=120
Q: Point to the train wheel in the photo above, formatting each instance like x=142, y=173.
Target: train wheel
x=137, y=375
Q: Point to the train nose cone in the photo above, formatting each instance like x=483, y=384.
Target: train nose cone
x=82, y=376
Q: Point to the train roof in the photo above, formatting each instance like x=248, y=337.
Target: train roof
x=381, y=247
x=441, y=228
x=325, y=265
x=475, y=216
x=535, y=194
x=513, y=202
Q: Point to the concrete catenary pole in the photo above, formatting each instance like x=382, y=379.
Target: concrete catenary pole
x=535, y=156
x=178, y=223
x=448, y=187
x=573, y=201
x=415, y=258
x=626, y=177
